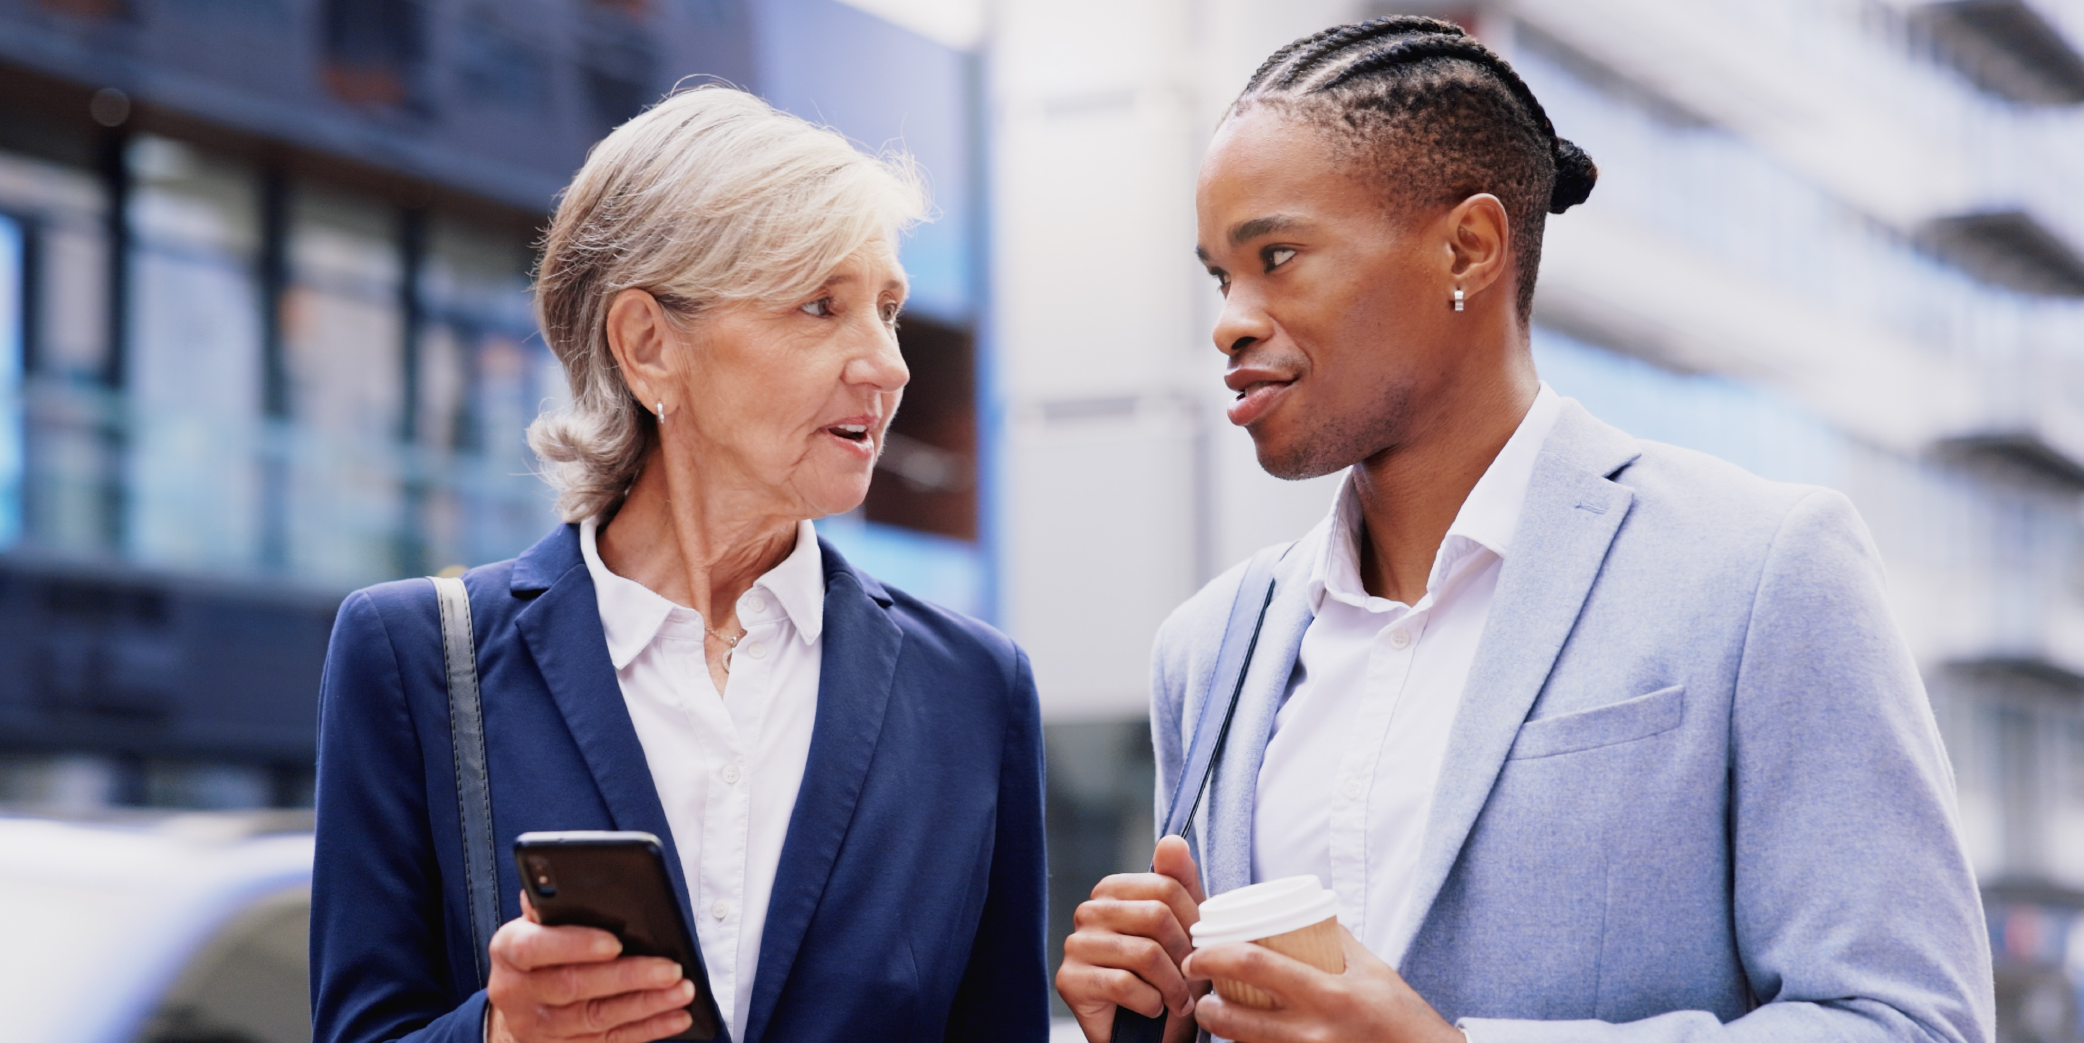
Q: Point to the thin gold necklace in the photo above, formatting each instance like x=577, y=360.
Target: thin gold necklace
x=731, y=642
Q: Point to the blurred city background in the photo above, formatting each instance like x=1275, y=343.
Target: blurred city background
x=265, y=337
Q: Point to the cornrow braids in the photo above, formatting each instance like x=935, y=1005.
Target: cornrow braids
x=1349, y=37
x=1435, y=114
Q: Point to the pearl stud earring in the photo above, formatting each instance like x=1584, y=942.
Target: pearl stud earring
x=661, y=407
x=1457, y=307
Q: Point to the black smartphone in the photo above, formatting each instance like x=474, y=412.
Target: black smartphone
x=618, y=883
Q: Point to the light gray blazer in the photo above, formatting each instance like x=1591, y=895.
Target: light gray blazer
x=1694, y=791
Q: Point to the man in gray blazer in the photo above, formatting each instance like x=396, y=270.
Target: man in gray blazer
x=1592, y=738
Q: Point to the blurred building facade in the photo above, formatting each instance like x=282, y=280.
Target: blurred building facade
x=1834, y=241
x=265, y=335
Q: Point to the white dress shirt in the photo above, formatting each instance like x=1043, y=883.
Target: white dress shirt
x=1348, y=780
x=727, y=765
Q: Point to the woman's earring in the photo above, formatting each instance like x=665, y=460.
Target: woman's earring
x=1457, y=307
x=661, y=407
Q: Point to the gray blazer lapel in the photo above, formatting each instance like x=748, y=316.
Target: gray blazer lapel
x=1226, y=825
x=1571, y=514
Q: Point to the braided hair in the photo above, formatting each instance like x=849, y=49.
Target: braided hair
x=1426, y=108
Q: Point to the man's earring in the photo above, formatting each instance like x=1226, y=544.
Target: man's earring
x=1457, y=307
x=661, y=407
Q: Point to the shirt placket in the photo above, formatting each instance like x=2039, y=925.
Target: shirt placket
x=1390, y=655
x=719, y=888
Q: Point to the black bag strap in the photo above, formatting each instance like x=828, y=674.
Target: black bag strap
x=1255, y=594
x=459, y=653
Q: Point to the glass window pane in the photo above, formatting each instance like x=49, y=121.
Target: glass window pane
x=11, y=258
x=67, y=206
x=342, y=324
x=66, y=461
x=193, y=372
x=482, y=378
x=343, y=341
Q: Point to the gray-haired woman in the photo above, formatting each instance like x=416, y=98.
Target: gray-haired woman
x=847, y=781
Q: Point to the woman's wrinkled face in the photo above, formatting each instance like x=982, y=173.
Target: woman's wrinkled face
x=790, y=403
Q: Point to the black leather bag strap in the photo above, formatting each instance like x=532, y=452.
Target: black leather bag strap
x=459, y=653
x=1255, y=594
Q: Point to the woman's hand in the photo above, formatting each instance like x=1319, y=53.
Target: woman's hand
x=573, y=984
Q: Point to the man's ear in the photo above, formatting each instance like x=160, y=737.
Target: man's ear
x=637, y=336
x=1478, y=243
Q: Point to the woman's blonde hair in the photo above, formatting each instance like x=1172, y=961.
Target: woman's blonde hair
x=709, y=197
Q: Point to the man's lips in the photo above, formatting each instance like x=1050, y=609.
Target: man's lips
x=1255, y=397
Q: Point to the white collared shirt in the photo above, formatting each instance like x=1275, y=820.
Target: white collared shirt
x=727, y=766
x=1349, y=775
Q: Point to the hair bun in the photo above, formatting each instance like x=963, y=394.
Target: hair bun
x=1575, y=176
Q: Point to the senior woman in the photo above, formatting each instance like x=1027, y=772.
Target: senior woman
x=846, y=780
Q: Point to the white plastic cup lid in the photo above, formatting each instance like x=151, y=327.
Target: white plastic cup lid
x=1264, y=910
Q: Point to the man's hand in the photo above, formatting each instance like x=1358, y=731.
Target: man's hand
x=1128, y=943
x=573, y=984
x=1369, y=1002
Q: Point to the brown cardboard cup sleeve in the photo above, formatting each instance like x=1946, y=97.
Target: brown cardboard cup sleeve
x=1294, y=916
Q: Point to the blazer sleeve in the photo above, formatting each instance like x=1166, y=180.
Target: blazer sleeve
x=1857, y=914
x=1004, y=994
x=379, y=962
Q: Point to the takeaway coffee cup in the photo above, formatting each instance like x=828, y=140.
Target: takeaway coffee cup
x=1294, y=916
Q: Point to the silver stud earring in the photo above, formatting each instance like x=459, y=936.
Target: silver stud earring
x=661, y=407
x=1457, y=307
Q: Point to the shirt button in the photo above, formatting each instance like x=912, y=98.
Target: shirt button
x=1353, y=788
x=1400, y=639
x=720, y=910
x=756, y=650
x=731, y=774
x=754, y=603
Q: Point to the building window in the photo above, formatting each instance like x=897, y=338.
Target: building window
x=928, y=480
x=13, y=326
x=342, y=330
x=374, y=49
x=193, y=362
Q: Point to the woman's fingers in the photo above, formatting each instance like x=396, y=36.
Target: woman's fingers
x=584, y=997
x=526, y=946
x=657, y=1026
x=607, y=1016
x=575, y=983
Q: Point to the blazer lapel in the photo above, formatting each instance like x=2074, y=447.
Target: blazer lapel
x=562, y=630
x=1571, y=514
x=859, y=666
x=1226, y=827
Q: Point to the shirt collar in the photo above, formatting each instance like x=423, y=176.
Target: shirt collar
x=632, y=613
x=798, y=583
x=1486, y=520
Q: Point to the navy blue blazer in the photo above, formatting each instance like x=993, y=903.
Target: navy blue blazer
x=909, y=900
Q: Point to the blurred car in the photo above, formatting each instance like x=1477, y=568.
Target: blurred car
x=155, y=928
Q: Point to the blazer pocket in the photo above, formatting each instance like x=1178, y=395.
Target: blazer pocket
x=1626, y=721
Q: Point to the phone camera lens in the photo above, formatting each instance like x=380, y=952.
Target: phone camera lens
x=544, y=883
